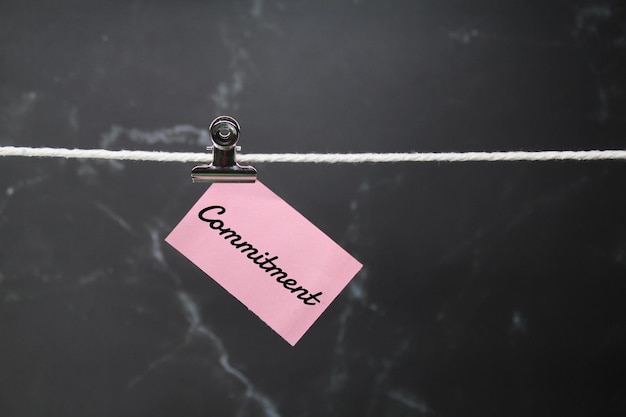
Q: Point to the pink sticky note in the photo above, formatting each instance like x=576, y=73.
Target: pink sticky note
x=266, y=254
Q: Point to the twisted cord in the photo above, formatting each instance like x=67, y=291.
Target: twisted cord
x=328, y=158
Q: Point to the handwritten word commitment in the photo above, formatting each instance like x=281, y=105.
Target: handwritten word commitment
x=263, y=260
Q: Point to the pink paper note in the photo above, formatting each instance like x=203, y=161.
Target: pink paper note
x=266, y=254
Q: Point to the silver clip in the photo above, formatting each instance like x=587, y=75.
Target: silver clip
x=224, y=132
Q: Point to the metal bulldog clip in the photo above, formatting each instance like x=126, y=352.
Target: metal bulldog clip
x=224, y=132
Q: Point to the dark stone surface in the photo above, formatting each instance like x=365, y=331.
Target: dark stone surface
x=488, y=289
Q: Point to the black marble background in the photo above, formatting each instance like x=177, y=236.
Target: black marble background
x=489, y=289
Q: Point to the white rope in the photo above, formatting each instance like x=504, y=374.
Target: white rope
x=329, y=158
